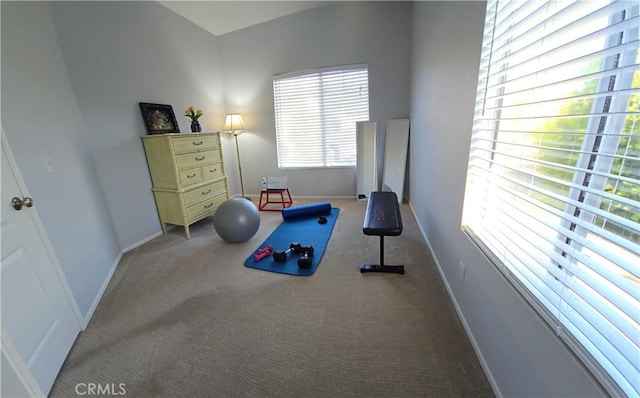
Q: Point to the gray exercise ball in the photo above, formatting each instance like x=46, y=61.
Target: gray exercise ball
x=236, y=220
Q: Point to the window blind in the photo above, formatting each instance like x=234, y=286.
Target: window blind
x=316, y=113
x=553, y=182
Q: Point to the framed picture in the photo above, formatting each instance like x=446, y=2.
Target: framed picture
x=158, y=118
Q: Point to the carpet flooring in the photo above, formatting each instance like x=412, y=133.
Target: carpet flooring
x=186, y=318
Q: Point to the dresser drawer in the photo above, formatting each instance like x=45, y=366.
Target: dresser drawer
x=195, y=159
x=207, y=207
x=204, y=192
x=192, y=144
x=190, y=176
x=212, y=171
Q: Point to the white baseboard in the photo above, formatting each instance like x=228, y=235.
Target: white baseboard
x=143, y=241
x=103, y=288
x=87, y=317
x=353, y=197
x=256, y=197
x=474, y=344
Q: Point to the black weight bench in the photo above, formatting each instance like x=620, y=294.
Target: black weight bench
x=382, y=218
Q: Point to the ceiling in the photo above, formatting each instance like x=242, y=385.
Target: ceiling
x=220, y=17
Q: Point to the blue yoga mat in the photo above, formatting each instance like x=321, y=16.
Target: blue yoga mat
x=305, y=230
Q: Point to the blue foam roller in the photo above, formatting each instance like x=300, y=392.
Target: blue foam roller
x=304, y=211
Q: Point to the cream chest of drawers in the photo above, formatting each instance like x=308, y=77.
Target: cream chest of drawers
x=188, y=176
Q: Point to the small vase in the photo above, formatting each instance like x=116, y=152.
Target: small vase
x=195, y=127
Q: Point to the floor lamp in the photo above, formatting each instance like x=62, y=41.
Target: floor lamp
x=234, y=124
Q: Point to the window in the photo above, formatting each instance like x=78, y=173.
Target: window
x=553, y=182
x=316, y=113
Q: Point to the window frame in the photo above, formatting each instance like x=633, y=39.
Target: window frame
x=586, y=173
x=286, y=161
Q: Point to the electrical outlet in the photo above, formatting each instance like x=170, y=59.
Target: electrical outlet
x=461, y=271
x=46, y=159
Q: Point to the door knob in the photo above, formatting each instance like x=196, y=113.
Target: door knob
x=17, y=203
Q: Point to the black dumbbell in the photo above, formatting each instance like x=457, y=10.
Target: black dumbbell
x=281, y=256
x=305, y=261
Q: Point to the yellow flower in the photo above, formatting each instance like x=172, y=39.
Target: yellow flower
x=193, y=114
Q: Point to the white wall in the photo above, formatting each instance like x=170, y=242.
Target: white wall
x=122, y=53
x=377, y=33
x=41, y=117
x=522, y=355
x=72, y=76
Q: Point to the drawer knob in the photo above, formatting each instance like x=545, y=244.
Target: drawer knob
x=199, y=158
x=206, y=192
x=208, y=206
x=213, y=171
x=191, y=175
x=197, y=143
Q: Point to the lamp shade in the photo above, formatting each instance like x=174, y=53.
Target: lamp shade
x=234, y=122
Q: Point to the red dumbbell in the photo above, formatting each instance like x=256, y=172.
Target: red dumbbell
x=262, y=253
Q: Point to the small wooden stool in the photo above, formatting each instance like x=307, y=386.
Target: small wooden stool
x=265, y=199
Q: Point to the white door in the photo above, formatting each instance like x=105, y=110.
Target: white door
x=38, y=314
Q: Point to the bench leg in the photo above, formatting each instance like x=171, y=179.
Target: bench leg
x=396, y=269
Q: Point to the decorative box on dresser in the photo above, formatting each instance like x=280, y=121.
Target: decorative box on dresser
x=188, y=176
